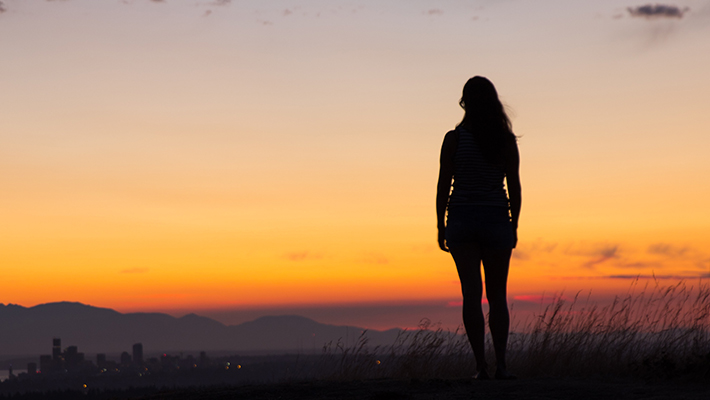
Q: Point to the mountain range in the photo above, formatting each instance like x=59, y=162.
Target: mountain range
x=29, y=331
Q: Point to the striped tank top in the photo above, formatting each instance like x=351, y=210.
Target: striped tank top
x=477, y=182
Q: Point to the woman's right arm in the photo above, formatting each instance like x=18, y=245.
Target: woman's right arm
x=443, y=188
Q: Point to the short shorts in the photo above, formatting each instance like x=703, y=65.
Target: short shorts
x=489, y=226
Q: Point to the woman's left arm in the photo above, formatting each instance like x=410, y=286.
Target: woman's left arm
x=512, y=177
x=443, y=187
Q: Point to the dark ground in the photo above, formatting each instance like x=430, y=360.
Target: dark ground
x=452, y=389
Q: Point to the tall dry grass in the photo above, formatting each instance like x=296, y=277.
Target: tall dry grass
x=654, y=331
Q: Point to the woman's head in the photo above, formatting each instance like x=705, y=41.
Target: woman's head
x=482, y=106
x=478, y=93
x=485, y=116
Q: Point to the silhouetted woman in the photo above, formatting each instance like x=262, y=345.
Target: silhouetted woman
x=482, y=219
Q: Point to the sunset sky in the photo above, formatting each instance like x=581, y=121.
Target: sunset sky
x=241, y=158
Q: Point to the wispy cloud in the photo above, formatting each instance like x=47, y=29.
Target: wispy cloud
x=684, y=275
x=520, y=254
x=654, y=276
x=656, y=11
x=612, y=258
x=435, y=11
x=638, y=265
x=2, y=7
x=135, y=271
x=668, y=250
x=664, y=22
x=602, y=254
x=216, y=3
x=681, y=253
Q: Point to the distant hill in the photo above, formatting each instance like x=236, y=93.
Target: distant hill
x=29, y=330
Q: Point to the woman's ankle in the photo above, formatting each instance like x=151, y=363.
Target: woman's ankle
x=482, y=366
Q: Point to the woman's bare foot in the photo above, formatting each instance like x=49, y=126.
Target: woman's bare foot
x=482, y=375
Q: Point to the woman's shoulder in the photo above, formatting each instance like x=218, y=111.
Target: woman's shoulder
x=451, y=135
x=448, y=148
x=452, y=132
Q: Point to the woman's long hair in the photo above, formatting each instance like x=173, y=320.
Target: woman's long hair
x=486, y=119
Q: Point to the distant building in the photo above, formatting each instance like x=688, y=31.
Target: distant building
x=72, y=358
x=125, y=359
x=56, y=348
x=31, y=368
x=101, y=360
x=45, y=363
x=138, y=354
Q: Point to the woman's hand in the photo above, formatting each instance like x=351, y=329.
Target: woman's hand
x=443, y=186
x=442, y=239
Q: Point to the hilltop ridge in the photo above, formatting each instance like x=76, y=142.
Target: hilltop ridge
x=29, y=330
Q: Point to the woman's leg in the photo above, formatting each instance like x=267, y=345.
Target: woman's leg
x=468, y=264
x=496, y=264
